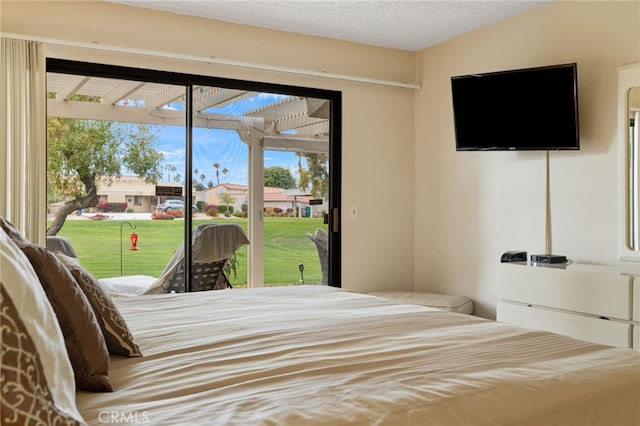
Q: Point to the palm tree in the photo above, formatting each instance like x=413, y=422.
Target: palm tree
x=171, y=169
x=217, y=166
x=224, y=172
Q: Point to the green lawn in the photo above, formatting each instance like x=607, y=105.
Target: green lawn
x=97, y=244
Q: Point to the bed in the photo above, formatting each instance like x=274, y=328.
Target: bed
x=318, y=355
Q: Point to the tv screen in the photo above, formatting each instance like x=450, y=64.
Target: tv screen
x=525, y=109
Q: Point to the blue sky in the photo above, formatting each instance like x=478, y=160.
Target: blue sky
x=219, y=146
x=216, y=146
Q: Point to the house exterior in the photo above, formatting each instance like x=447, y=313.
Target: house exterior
x=133, y=192
x=139, y=195
x=237, y=195
x=274, y=198
x=430, y=218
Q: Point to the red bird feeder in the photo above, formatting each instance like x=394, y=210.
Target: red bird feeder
x=133, y=238
x=134, y=241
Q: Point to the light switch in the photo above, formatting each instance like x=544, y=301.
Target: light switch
x=353, y=211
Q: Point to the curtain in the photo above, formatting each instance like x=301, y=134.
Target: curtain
x=23, y=152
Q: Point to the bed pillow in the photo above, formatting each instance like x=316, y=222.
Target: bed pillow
x=11, y=230
x=82, y=336
x=114, y=329
x=37, y=379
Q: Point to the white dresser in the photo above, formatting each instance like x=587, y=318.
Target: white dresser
x=595, y=303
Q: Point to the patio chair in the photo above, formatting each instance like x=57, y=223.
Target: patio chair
x=321, y=240
x=62, y=245
x=213, y=246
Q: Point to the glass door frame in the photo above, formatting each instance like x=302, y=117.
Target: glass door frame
x=256, y=153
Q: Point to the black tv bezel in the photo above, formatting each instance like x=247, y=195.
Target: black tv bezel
x=521, y=147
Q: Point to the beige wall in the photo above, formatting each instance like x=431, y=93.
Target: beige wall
x=473, y=206
x=378, y=124
x=461, y=210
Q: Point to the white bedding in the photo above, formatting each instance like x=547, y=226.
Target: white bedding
x=318, y=355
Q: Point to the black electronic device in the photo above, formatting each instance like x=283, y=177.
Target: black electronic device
x=514, y=256
x=524, y=109
x=548, y=258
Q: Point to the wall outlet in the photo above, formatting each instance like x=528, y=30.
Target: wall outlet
x=353, y=212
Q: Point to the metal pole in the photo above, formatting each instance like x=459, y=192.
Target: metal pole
x=133, y=229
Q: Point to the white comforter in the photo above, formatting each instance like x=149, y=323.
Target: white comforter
x=318, y=355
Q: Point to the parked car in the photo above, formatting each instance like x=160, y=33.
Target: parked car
x=175, y=205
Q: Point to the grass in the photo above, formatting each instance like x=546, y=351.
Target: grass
x=286, y=245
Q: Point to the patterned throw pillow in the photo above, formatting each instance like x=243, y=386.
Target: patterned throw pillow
x=20, y=283
x=26, y=398
x=82, y=335
x=116, y=332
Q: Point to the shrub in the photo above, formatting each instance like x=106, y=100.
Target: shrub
x=212, y=211
x=175, y=213
x=99, y=216
x=111, y=207
x=225, y=209
x=162, y=216
x=130, y=210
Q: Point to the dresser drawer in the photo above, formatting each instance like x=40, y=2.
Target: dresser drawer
x=587, y=328
x=600, y=294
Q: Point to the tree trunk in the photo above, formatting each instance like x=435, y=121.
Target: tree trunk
x=89, y=200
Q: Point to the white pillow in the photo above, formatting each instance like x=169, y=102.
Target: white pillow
x=23, y=287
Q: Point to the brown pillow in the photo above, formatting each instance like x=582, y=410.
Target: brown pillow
x=21, y=283
x=83, y=339
x=114, y=329
x=26, y=396
x=11, y=230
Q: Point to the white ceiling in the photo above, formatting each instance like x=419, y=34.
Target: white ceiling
x=401, y=24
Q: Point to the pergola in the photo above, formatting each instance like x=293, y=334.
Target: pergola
x=291, y=123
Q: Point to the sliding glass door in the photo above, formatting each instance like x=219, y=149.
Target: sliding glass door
x=112, y=168
x=186, y=151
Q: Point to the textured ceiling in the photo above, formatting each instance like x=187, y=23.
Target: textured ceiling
x=407, y=25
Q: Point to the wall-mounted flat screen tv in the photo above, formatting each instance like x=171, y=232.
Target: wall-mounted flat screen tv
x=524, y=109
